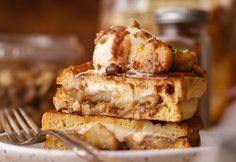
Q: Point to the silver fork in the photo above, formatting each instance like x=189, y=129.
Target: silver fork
x=21, y=130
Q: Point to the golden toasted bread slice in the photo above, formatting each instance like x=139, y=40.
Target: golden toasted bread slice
x=116, y=133
x=168, y=97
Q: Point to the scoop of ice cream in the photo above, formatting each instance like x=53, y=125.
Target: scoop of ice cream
x=130, y=48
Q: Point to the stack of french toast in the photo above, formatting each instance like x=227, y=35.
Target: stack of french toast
x=137, y=93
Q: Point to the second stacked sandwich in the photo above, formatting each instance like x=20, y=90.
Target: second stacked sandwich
x=138, y=93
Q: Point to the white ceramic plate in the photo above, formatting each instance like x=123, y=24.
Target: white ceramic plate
x=36, y=153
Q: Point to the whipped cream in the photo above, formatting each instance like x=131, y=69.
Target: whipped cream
x=119, y=46
x=102, y=56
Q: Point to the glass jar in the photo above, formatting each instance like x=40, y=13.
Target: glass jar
x=184, y=28
x=222, y=30
x=119, y=12
x=29, y=65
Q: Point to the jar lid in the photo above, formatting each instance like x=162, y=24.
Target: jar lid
x=181, y=15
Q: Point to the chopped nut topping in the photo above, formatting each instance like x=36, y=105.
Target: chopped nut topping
x=99, y=36
x=113, y=69
x=134, y=23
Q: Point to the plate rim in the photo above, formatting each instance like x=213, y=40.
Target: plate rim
x=9, y=146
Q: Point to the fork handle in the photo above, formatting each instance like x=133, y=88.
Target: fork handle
x=81, y=148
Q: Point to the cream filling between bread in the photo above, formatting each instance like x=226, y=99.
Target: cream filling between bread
x=128, y=92
x=121, y=133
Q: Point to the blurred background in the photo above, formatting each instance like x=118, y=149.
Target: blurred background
x=40, y=37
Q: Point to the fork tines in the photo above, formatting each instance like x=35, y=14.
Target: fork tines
x=18, y=125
